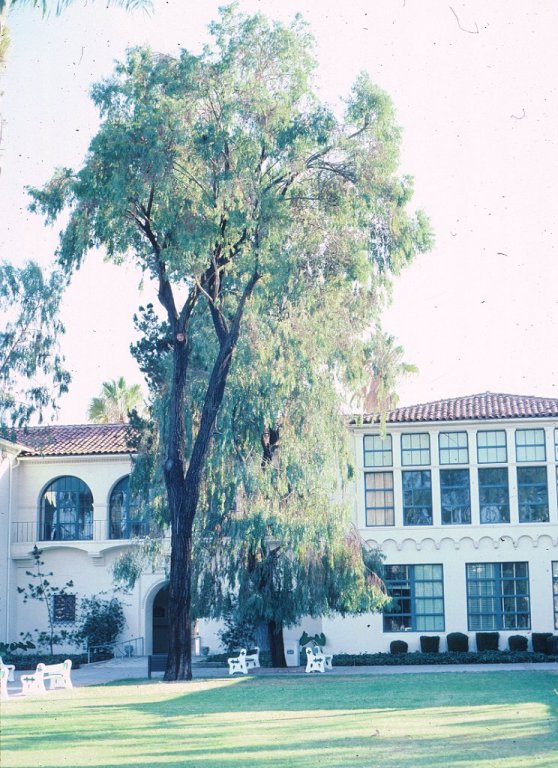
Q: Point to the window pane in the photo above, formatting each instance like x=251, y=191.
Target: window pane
x=498, y=596
x=379, y=500
x=415, y=449
x=66, y=510
x=378, y=451
x=494, y=496
x=455, y=496
x=530, y=445
x=417, y=497
x=491, y=447
x=418, y=592
x=532, y=492
x=453, y=448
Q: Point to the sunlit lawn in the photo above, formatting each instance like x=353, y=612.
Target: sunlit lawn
x=485, y=720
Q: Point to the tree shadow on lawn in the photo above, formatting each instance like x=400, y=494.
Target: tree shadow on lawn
x=393, y=721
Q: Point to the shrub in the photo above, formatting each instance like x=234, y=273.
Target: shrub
x=237, y=633
x=397, y=647
x=458, y=642
x=424, y=659
x=552, y=645
x=487, y=641
x=101, y=621
x=517, y=643
x=429, y=644
x=539, y=641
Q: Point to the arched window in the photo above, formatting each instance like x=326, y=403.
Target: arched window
x=124, y=515
x=66, y=510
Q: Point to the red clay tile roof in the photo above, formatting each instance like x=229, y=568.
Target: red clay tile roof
x=76, y=440
x=482, y=407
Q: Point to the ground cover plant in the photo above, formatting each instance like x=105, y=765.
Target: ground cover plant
x=494, y=719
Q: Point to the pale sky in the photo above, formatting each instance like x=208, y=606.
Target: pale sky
x=475, y=91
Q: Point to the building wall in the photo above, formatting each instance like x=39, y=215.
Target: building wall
x=455, y=545
x=89, y=563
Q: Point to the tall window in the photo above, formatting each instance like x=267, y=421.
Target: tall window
x=532, y=493
x=66, y=510
x=417, y=497
x=454, y=448
x=555, y=591
x=377, y=451
x=455, y=496
x=125, y=518
x=63, y=609
x=556, y=444
x=491, y=447
x=379, y=498
x=418, y=592
x=415, y=450
x=494, y=496
x=498, y=596
x=530, y=445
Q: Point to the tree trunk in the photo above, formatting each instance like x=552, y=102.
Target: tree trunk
x=184, y=491
x=276, y=644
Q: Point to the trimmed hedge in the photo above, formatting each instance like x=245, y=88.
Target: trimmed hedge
x=518, y=643
x=458, y=642
x=418, y=658
x=487, y=641
x=397, y=647
x=430, y=644
x=539, y=641
x=552, y=645
x=26, y=661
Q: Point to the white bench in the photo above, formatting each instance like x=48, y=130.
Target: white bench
x=58, y=676
x=317, y=660
x=3, y=682
x=34, y=682
x=238, y=663
x=10, y=668
x=253, y=659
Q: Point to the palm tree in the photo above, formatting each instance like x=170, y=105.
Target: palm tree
x=115, y=403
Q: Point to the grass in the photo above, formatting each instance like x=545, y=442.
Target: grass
x=480, y=720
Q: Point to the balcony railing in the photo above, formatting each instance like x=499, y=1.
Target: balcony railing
x=25, y=532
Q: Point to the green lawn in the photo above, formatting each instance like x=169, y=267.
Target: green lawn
x=480, y=720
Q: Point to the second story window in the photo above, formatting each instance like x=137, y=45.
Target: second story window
x=125, y=518
x=453, y=448
x=415, y=449
x=455, y=496
x=66, y=511
x=494, y=496
x=417, y=497
x=379, y=498
x=532, y=494
x=377, y=451
x=491, y=447
x=530, y=445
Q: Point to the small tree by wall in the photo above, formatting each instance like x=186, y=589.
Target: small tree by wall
x=41, y=588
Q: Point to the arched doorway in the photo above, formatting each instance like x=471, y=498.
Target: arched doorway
x=161, y=621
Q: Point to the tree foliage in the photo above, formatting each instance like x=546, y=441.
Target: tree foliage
x=255, y=209
x=32, y=374
x=115, y=403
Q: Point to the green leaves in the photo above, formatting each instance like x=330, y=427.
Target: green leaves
x=32, y=374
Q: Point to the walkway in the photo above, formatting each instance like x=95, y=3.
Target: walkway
x=136, y=669
x=127, y=669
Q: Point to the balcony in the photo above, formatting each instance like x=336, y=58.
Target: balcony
x=30, y=532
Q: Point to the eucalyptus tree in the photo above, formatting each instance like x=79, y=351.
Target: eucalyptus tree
x=235, y=189
x=32, y=373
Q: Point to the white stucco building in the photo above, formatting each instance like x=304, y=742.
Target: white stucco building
x=460, y=495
